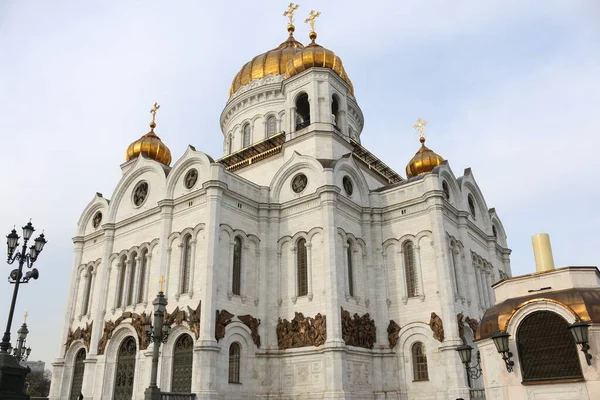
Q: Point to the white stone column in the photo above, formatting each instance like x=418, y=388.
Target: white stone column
x=403, y=284
x=168, y=271
x=164, y=262
x=91, y=295
x=83, y=277
x=147, y=278
x=294, y=280
x=419, y=271
x=126, y=287
x=179, y=290
x=136, y=282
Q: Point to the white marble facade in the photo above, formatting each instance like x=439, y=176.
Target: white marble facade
x=459, y=250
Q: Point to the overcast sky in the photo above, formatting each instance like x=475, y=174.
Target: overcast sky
x=510, y=89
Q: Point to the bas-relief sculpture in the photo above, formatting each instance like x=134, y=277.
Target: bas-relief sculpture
x=301, y=331
x=138, y=322
x=437, y=327
x=461, y=327
x=358, y=331
x=253, y=324
x=473, y=324
x=223, y=319
x=393, y=330
x=193, y=320
x=85, y=334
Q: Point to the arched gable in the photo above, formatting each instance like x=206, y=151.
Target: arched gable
x=143, y=169
x=348, y=166
x=295, y=164
x=98, y=203
x=191, y=158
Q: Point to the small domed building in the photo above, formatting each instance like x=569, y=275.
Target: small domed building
x=297, y=265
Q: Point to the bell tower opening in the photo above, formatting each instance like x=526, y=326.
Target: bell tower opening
x=302, y=111
x=335, y=112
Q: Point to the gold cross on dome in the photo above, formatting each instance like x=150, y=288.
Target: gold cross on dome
x=290, y=12
x=154, y=110
x=26, y=315
x=161, y=282
x=311, y=19
x=419, y=126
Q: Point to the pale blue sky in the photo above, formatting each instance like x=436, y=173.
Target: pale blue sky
x=510, y=89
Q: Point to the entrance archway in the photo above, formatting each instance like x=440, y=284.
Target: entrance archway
x=181, y=375
x=125, y=374
x=78, y=369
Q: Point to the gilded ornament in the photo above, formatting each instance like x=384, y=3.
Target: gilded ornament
x=150, y=144
x=424, y=160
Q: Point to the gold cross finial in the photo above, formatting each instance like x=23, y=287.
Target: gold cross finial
x=26, y=315
x=419, y=126
x=311, y=19
x=161, y=282
x=290, y=12
x=153, y=111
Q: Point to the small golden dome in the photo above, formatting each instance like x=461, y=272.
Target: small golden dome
x=315, y=55
x=424, y=161
x=273, y=62
x=151, y=145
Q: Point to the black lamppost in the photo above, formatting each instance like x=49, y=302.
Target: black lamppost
x=12, y=374
x=21, y=352
x=464, y=352
x=157, y=334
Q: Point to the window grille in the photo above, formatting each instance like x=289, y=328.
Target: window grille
x=133, y=267
x=125, y=372
x=237, y=266
x=234, y=363
x=302, y=261
x=419, y=362
x=410, y=270
x=187, y=259
x=546, y=348
x=271, y=126
x=350, y=270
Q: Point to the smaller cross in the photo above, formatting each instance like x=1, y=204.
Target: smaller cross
x=290, y=12
x=154, y=110
x=311, y=19
x=419, y=126
x=161, y=282
x=26, y=315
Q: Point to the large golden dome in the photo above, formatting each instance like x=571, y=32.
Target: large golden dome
x=273, y=62
x=315, y=55
x=151, y=145
x=424, y=161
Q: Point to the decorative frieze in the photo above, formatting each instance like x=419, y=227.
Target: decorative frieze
x=301, y=331
x=193, y=320
x=358, y=331
x=138, y=322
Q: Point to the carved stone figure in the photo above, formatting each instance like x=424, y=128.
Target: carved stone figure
x=139, y=322
x=393, y=330
x=358, y=331
x=83, y=334
x=473, y=324
x=253, y=324
x=194, y=320
x=223, y=319
x=109, y=327
x=301, y=331
x=175, y=318
x=461, y=327
x=437, y=327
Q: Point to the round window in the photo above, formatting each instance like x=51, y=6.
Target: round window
x=299, y=183
x=347, y=183
x=191, y=177
x=140, y=193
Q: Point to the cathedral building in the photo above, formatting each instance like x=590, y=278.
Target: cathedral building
x=297, y=266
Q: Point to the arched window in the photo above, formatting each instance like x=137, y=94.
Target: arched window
x=471, y=202
x=302, y=263
x=546, y=348
x=350, y=269
x=271, y=126
x=187, y=261
x=302, y=111
x=494, y=231
x=87, y=291
x=131, y=283
x=78, y=370
x=246, y=136
x=181, y=377
x=230, y=144
x=234, y=363
x=121, y=286
x=335, y=112
x=419, y=360
x=446, y=190
x=410, y=270
x=141, y=295
x=236, y=284
x=125, y=369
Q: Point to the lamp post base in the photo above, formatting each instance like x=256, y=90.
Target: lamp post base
x=152, y=393
x=12, y=378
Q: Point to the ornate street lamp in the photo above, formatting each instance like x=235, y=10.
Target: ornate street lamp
x=157, y=334
x=579, y=330
x=10, y=369
x=464, y=352
x=501, y=342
